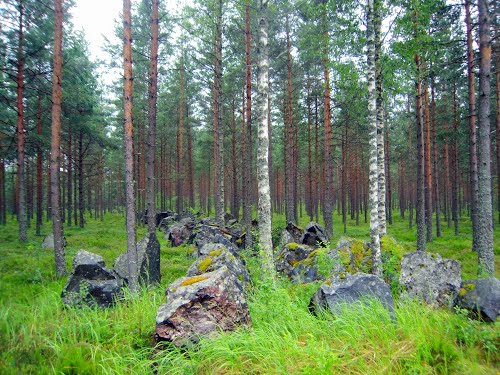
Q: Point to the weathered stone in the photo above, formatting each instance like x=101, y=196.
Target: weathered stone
x=296, y=262
x=314, y=235
x=179, y=233
x=200, y=306
x=337, y=292
x=148, y=255
x=90, y=282
x=215, y=255
x=160, y=216
x=431, y=278
x=48, y=242
x=481, y=297
x=355, y=255
x=204, y=234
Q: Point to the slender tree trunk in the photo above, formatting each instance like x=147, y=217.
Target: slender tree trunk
x=69, y=176
x=218, y=132
x=373, y=139
x=21, y=185
x=420, y=204
x=289, y=145
x=327, y=162
x=39, y=178
x=151, y=142
x=81, y=199
x=190, y=171
x=129, y=154
x=56, y=141
x=266, y=245
x=247, y=135
x=310, y=194
x=388, y=181
x=497, y=81
x=3, y=205
x=435, y=163
x=380, y=122
x=454, y=161
x=427, y=164
x=180, y=142
x=317, y=169
x=484, y=240
x=474, y=187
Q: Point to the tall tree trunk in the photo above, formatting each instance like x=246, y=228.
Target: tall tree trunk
x=266, y=245
x=484, y=240
x=497, y=81
x=151, y=142
x=474, y=187
x=39, y=178
x=454, y=162
x=133, y=271
x=3, y=205
x=190, y=171
x=235, y=198
x=290, y=139
x=435, y=163
x=246, y=135
x=373, y=138
x=21, y=185
x=56, y=141
x=81, y=196
x=180, y=142
x=380, y=122
x=69, y=176
x=428, y=164
x=327, y=162
x=218, y=132
x=310, y=194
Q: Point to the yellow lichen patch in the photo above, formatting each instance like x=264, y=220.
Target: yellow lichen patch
x=469, y=286
x=215, y=253
x=193, y=280
x=190, y=250
x=462, y=292
x=204, y=264
x=292, y=246
x=293, y=262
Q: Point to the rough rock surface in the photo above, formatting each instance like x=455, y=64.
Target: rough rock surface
x=48, y=242
x=355, y=255
x=337, y=291
x=428, y=276
x=314, y=235
x=148, y=255
x=178, y=233
x=298, y=262
x=90, y=282
x=481, y=297
x=200, y=306
x=213, y=256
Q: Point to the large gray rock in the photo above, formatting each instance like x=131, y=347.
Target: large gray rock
x=148, y=255
x=431, y=278
x=213, y=256
x=337, y=292
x=294, y=262
x=201, y=306
x=354, y=255
x=481, y=297
x=314, y=235
x=90, y=282
x=48, y=242
x=204, y=234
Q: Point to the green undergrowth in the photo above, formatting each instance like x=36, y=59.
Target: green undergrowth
x=40, y=336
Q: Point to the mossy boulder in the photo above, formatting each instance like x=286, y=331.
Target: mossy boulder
x=200, y=306
x=355, y=255
x=314, y=235
x=213, y=256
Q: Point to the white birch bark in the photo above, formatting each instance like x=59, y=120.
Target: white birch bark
x=372, y=123
x=264, y=206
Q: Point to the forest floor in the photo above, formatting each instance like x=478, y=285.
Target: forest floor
x=38, y=335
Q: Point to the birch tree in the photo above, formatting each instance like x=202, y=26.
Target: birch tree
x=372, y=123
x=263, y=145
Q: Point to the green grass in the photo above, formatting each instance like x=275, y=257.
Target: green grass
x=38, y=335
